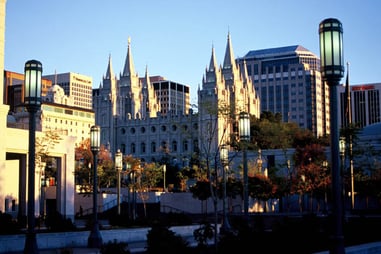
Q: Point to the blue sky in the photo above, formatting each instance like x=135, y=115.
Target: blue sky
x=174, y=38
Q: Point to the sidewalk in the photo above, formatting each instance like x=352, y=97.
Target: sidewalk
x=78, y=250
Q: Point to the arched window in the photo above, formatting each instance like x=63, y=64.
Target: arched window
x=133, y=148
x=143, y=147
x=185, y=145
x=174, y=145
x=195, y=146
x=153, y=147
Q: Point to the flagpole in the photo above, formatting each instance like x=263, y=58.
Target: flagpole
x=348, y=115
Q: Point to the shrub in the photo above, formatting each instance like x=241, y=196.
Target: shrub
x=114, y=247
x=8, y=225
x=160, y=239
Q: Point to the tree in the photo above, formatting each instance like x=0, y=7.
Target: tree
x=311, y=175
x=43, y=146
x=83, y=158
x=262, y=188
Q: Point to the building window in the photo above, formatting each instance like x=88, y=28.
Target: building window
x=133, y=148
x=142, y=130
x=164, y=146
x=132, y=130
x=153, y=129
x=174, y=146
x=143, y=147
x=195, y=146
x=185, y=145
x=153, y=147
x=163, y=128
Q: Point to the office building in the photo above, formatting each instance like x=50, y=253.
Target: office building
x=288, y=81
x=76, y=86
x=365, y=104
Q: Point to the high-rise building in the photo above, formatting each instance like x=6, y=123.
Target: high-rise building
x=288, y=81
x=77, y=86
x=173, y=97
x=365, y=104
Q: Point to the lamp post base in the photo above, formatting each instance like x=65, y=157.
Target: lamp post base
x=95, y=238
x=225, y=227
x=30, y=244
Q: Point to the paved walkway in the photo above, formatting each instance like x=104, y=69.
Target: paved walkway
x=138, y=247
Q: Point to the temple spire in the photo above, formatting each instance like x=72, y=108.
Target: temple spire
x=213, y=61
x=129, y=69
x=109, y=71
x=229, y=61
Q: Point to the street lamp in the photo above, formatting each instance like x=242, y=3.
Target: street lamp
x=118, y=167
x=259, y=161
x=244, y=136
x=289, y=181
x=32, y=102
x=164, y=173
x=325, y=167
x=224, y=157
x=332, y=70
x=128, y=167
x=42, y=190
x=342, y=167
x=95, y=238
x=133, y=181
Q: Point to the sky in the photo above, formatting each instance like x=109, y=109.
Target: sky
x=174, y=38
